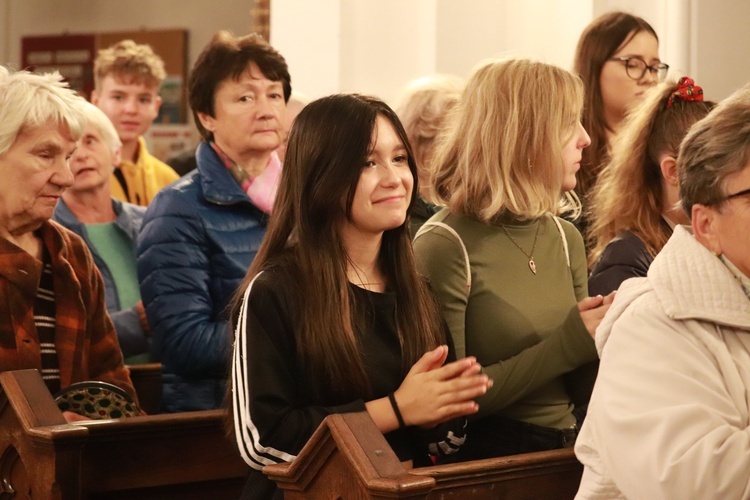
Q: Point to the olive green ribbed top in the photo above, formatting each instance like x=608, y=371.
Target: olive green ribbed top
x=524, y=329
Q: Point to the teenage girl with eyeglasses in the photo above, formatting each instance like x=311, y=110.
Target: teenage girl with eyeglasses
x=618, y=60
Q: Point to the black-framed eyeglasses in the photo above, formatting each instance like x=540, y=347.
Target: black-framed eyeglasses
x=636, y=67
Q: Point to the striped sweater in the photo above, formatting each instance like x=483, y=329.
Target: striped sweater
x=85, y=339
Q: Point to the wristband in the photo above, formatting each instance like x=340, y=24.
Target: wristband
x=392, y=399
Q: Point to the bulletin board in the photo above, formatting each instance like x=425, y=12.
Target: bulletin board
x=73, y=56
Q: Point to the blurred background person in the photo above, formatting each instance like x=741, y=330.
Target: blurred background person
x=183, y=163
x=52, y=315
x=127, y=77
x=423, y=109
x=669, y=413
x=635, y=203
x=296, y=102
x=200, y=234
x=110, y=228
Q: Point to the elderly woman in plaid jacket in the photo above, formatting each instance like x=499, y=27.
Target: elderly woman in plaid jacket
x=52, y=310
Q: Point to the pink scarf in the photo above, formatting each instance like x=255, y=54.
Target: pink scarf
x=261, y=189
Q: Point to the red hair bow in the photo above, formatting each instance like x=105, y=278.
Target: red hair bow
x=686, y=91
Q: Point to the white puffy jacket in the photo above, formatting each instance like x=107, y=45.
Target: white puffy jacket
x=670, y=410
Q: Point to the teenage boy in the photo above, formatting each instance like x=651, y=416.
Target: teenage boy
x=127, y=77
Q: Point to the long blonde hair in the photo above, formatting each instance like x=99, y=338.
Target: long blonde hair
x=628, y=194
x=502, y=150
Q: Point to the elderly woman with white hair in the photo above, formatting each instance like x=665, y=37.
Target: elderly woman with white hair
x=52, y=313
x=670, y=410
x=109, y=227
x=423, y=109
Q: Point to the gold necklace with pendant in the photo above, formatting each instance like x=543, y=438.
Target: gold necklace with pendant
x=530, y=256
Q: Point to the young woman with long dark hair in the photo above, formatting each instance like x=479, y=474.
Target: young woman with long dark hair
x=617, y=58
x=332, y=316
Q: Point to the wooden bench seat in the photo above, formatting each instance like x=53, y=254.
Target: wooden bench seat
x=186, y=455
x=146, y=379
x=348, y=457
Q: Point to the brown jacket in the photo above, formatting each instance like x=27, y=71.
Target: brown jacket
x=85, y=339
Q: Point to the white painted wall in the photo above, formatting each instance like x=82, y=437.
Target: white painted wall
x=307, y=34
x=467, y=33
x=372, y=47
x=539, y=29
x=384, y=44
x=705, y=39
x=720, y=45
x=545, y=30
x=44, y=17
x=377, y=46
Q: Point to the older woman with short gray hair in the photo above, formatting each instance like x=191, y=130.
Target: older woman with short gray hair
x=52, y=314
x=670, y=410
x=109, y=227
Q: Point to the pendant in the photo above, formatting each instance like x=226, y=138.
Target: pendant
x=532, y=265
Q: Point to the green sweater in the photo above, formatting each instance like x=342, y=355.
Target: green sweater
x=524, y=329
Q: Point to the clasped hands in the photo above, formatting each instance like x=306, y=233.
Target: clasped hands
x=434, y=392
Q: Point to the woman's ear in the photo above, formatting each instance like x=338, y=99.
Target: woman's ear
x=117, y=157
x=208, y=121
x=668, y=166
x=704, y=222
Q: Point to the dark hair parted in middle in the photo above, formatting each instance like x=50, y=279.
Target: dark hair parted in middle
x=227, y=56
x=598, y=43
x=328, y=147
x=326, y=153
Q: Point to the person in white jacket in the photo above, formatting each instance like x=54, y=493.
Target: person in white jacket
x=670, y=410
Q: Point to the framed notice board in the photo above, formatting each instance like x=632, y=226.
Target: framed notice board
x=73, y=56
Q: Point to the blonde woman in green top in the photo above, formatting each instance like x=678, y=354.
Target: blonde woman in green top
x=511, y=275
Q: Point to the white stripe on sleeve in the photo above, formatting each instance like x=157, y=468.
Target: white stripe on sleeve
x=248, y=440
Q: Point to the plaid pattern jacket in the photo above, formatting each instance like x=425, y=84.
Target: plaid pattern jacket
x=85, y=339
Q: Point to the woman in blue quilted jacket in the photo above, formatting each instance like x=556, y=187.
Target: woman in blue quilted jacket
x=201, y=233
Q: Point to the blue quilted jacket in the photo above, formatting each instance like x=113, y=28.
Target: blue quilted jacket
x=198, y=238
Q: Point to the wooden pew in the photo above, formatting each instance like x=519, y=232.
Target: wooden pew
x=146, y=379
x=348, y=457
x=182, y=456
